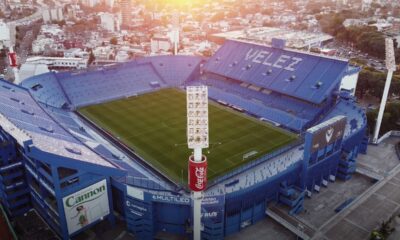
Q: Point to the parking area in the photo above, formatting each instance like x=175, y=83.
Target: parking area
x=377, y=204
x=373, y=192
x=381, y=158
x=104, y=231
x=266, y=229
x=321, y=206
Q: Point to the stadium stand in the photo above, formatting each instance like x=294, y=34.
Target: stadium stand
x=297, y=74
x=108, y=84
x=113, y=82
x=46, y=89
x=263, y=172
x=356, y=118
x=292, y=113
x=32, y=119
x=174, y=71
x=26, y=114
x=259, y=109
x=59, y=152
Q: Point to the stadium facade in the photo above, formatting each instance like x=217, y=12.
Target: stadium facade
x=74, y=174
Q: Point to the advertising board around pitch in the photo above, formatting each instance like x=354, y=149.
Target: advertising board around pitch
x=86, y=206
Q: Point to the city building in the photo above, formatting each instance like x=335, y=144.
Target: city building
x=264, y=35
x=7, y=34
x=161, y=44
x=59, y=62
x=126, y=12
x=54, y=14
x=110, y=22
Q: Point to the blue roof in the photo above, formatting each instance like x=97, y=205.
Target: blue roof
x=17, y=107
x=306, y=76
x=46, y=88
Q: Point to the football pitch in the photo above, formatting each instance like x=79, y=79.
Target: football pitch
x=154, y=126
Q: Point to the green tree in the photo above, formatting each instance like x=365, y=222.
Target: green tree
x=114, y=41
x=232, y=14
x=92, y=58
x=218, y=17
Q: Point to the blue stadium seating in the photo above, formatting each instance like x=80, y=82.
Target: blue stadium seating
x=355, y=117
x=109, y=83
x=259, y=109
x=69, y=121
x=275, y=107
x=104, y=85
x=175, y=70
x=308, y=77
x=52, y=125
x=19, y=107
x=46, y=89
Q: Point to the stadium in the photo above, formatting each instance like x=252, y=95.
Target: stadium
x=82, y=147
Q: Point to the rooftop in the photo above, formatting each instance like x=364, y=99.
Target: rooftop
x=25, y=119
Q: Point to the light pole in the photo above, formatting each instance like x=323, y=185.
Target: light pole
x=197, y=138
x=175, y=30
x=12, y=57
x=391, y=67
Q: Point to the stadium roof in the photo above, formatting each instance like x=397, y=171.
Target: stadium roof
x=307, y=76
x=20, y=112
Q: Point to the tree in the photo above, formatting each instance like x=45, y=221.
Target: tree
x=232, y=14
x=92, y=58
x=218, y=17
x=390, y=120
x=114, y=41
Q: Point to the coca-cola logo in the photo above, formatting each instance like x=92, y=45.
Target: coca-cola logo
x=200, y=175
x=197, y=174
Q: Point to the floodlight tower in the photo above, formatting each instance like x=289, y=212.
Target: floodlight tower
x=391, y=67
x=197, y=138
x=12, y=57
x=175, y=30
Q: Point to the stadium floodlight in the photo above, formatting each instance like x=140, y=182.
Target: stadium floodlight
x=197, y=138
x=391, y=67
x=390, y=58
x=197, y=116
x=175, y=30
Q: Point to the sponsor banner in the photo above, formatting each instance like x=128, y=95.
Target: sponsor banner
x=135, y=193
x=86, y=206
x=327, y=132
x=135, y=209
x=168, y=199
x=212, y=209
x=197, y=174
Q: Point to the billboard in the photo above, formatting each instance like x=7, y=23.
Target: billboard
x=212, y=209
x=197, y=176
x=327, y=132
x=12, y=57
x=86, y=206
x=134, y=208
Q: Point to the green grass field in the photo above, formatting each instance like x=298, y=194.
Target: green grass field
x=154, y=126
